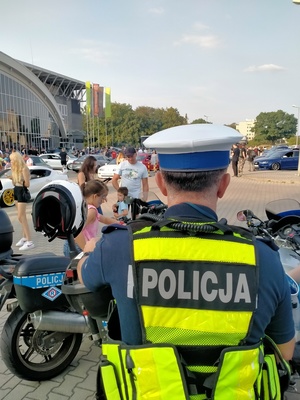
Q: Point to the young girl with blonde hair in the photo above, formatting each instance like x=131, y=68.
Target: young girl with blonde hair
x=21, y=178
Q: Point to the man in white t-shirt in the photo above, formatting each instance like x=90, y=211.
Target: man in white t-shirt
x=28, y=160
x=133, y=175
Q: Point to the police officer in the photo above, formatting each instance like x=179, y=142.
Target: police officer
x=200, y=284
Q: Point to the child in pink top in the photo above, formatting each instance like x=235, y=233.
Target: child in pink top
x=95, y=193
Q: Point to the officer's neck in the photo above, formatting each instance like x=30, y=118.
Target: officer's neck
x=202, y=199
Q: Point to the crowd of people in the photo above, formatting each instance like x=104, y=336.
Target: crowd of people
x=189, y=281
x=242, y=155
x=131, y=173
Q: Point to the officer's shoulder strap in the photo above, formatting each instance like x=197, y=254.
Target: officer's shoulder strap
x=179, y=223
x=140, y=223
x=192, y=224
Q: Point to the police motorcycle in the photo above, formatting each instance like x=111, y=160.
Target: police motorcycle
x=32, y=347
x=44, y=331
x=283, y=228
x=99, y=308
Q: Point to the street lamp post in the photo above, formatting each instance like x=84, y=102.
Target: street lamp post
x=297, y=136
x=298, y=121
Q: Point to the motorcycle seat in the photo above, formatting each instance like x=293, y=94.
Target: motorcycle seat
x=41, y=264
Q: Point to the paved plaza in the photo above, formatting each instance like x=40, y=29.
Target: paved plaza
x=251, y=191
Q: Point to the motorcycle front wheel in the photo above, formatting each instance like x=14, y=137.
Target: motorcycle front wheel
x=25, y=354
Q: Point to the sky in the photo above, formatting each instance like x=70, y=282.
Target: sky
x=221, y=60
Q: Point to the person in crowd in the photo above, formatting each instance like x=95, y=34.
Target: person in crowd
x=199, y=284
x=95, y=193
x=242, y=159
x=120, y=208
x=28, y=160
x=6, y=161
x=235, y=153
x=113, y=154
x=21, y=178
x=2, y=163
x=250, y=158
x=154, y=161
x=63, y=158
x=133, y=174
x=120, y=157
x=33, y=151
x=108, y=152
x=87, y=172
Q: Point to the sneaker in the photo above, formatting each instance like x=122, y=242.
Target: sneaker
x=27, y=246
x=21, y=242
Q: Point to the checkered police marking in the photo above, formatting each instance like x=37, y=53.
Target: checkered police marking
x=52, y=293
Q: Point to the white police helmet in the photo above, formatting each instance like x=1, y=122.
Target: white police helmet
x=59, y=210
x=194, y=147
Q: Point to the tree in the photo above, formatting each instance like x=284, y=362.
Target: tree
x=126, y=126
x=199, y=121
x=232, y=125
x=171, y=117
x=274, y=126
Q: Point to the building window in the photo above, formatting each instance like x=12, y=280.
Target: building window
x=63, y=110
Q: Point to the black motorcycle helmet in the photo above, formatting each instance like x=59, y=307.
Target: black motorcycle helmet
x=59, y=210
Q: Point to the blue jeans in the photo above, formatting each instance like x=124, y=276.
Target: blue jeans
x=67, y=249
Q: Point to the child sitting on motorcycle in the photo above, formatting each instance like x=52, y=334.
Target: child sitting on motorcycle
x=120, y=208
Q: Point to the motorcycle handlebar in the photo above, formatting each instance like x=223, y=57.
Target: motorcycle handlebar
x=296, y=240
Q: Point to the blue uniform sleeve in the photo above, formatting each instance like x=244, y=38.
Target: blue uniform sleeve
x=101, y=262
x=274, y=298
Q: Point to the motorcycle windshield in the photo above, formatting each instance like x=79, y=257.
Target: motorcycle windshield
x=281, y=208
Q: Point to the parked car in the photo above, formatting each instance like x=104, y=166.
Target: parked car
x=54, y=160
x=280, y=159
x=101, y=160
x=275, y=148
x=145, y=158
x=107, y=171
x=39, y=177
x=38, y=161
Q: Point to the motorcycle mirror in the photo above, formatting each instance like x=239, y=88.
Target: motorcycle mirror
x=128, y=199
x=244, y=215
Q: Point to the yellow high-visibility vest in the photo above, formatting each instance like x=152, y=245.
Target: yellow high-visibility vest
x=196, y=295
x=197, y=292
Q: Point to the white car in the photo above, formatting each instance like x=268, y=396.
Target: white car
x=39, y=177
x=53, y=160
x=107, y=171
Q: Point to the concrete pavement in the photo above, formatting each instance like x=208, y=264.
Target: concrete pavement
x=252, y=190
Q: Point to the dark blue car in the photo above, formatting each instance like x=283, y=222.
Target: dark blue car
x=279, y=159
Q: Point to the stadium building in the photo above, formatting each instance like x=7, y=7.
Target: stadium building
x=39, y=108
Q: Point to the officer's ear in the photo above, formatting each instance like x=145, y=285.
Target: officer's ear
x=160, y=183
x=223, y=185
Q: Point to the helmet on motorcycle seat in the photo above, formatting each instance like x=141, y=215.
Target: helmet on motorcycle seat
x=59, y=210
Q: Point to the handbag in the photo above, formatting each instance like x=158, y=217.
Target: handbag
x=26, y=194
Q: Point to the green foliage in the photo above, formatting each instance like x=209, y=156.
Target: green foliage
x=274, y=126
x=232, y=125
x=126, y=125
x=199, y=121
